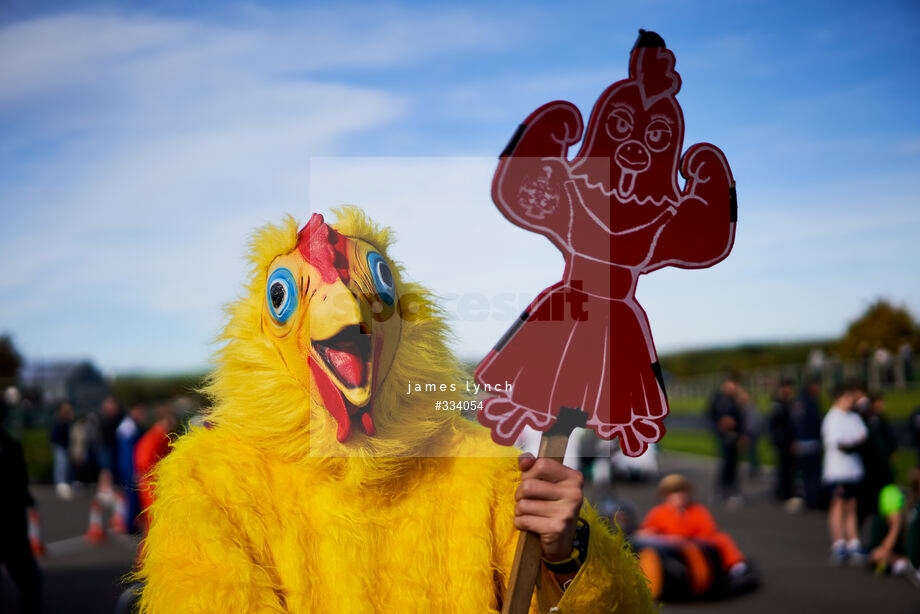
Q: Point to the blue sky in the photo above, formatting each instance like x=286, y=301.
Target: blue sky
x=138, y=148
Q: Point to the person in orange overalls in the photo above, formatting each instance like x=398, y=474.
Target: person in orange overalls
x=153, y=446
x=680, y=516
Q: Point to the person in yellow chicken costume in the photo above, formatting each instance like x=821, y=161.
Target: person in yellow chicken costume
x=322, y=484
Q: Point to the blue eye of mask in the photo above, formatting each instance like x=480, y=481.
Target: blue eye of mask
x=383, y=277
x=281, y=295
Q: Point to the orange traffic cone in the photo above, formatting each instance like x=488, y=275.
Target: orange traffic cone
x=95, y=533
x=35, y=533
x=119, y=522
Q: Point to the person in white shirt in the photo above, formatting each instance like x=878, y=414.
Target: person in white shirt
x=842, y=432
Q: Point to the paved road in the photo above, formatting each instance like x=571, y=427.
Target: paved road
x=79, y=577
x=791, y=551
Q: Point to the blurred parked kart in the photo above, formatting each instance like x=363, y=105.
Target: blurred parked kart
x=681, y=569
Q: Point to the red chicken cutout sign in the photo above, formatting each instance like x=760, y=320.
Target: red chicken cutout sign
x=616, y=211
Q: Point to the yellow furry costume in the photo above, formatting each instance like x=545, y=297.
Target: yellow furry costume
x=269, y=511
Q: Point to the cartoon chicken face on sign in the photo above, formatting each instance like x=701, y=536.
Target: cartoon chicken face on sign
x=616, y=211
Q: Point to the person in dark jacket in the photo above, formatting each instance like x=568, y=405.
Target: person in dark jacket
x=129, y=432
x=914, y=427
x=111, y=416
x=725, y=416
x=783, y=435
x=60, y=444
x=876, y=454
x=806, y=426
x=15, y=500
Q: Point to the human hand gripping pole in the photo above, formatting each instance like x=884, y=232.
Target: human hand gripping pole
x=529, y=549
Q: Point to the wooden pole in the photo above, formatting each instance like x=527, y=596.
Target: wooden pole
x=528, y=554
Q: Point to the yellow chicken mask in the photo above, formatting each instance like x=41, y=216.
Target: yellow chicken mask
x=330, y=307
x=318, y=349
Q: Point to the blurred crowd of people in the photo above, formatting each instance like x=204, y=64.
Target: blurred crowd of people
x=113, y=449
x=859, y=444
x=841, y=460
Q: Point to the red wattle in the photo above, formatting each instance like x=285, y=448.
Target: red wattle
x=368, y=423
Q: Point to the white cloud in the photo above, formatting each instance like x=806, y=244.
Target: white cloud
x=109, y=50
x=164, y=143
